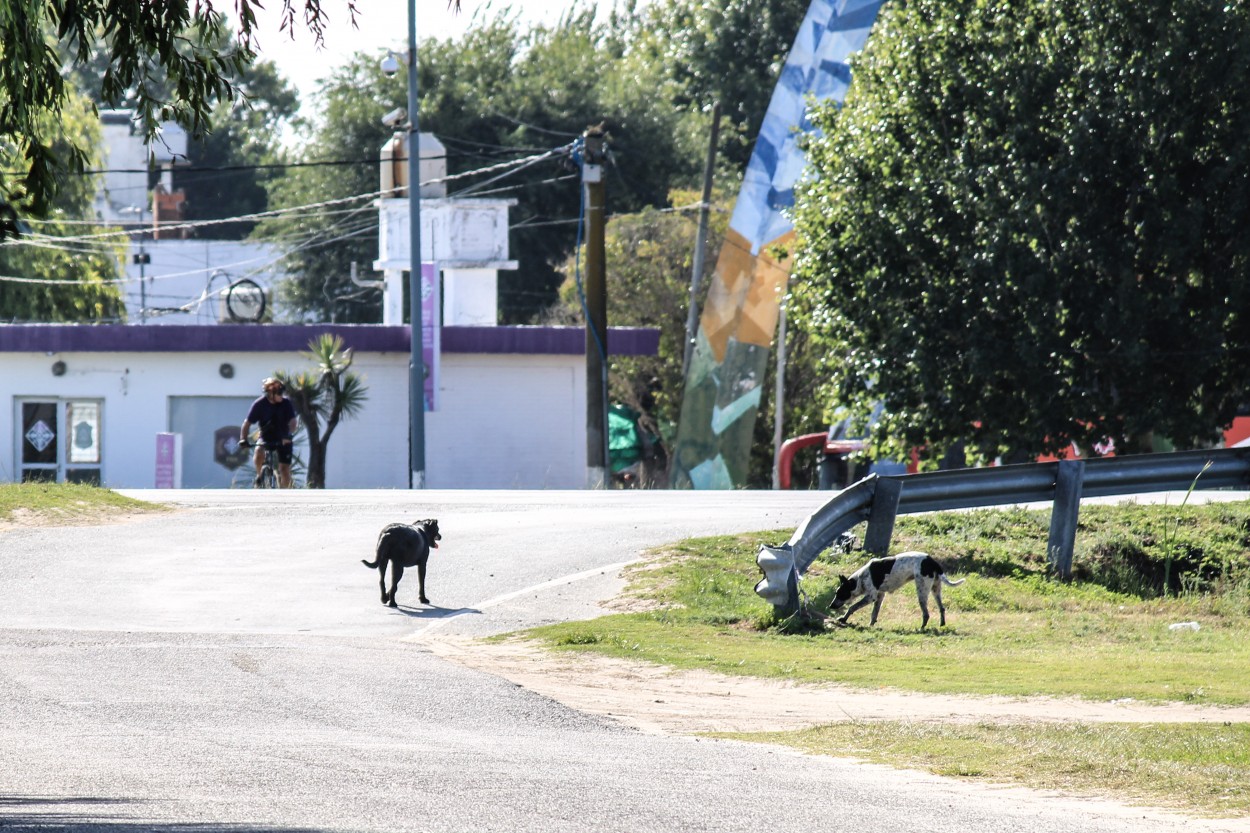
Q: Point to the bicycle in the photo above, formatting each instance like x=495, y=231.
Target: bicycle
x=267, y=477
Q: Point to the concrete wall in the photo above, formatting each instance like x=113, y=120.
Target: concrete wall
x=508, y=422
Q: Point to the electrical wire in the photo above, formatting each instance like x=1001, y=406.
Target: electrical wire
x=509, y=188
x=82, y=244
x=518, y=164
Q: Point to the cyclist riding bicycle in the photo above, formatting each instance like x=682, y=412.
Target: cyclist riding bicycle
x=275, y=415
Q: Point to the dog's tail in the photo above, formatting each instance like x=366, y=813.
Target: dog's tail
x=372, y=565
x=950, y=583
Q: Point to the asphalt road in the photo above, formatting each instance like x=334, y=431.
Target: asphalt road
x=228, y=666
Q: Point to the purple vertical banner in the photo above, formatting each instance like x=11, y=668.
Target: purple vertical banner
x=431, y=332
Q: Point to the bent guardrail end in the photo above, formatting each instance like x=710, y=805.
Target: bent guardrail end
x=780, y=585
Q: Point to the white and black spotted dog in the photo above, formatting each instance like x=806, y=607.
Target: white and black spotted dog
x=884, y=575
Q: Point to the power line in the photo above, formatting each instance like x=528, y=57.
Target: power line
x=280, y=166
x=85, y=243
x=519, y=164
x=260, y=215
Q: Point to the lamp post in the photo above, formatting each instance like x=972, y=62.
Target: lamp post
x=142, y=259
x=416, y=362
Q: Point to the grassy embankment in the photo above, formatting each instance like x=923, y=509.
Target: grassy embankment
x=1012, y=630
x=39, y=504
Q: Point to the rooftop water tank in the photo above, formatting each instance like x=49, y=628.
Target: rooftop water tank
x=432, y=166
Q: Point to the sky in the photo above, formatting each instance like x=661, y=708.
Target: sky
x=382, y=25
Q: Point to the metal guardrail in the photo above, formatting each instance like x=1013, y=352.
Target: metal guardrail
x=879, y=500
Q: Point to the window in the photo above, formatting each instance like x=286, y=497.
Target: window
x=60, y=440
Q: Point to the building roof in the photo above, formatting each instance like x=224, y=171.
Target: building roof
x=282, y=338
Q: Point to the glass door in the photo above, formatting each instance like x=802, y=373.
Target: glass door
x=60, y=440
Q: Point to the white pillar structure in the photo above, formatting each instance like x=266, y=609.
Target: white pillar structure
x=466, y=238
x=470, y=297
x=393, y=296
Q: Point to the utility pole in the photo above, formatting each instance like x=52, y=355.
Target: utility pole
x=416, y=361
x=143, y=259
x=700, y=242
x=597, y=462
x=779, y=396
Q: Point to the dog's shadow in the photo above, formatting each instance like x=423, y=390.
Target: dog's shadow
x=942, y=631
x=431, y=611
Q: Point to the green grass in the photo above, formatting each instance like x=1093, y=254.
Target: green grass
x=52, y=503
x=1013, y=630
x=1102, y=637
x=1200, y=768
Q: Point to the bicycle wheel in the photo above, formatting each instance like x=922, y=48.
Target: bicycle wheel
x=267, y=478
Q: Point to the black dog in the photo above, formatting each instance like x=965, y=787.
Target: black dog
x=404, y=545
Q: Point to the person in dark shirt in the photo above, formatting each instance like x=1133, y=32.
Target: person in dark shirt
x=274, y=414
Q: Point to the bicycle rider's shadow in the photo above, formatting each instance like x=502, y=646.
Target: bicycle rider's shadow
x=432, y=611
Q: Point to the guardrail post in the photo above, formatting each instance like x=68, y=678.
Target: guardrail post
x=1063, y=516
x=881, y=518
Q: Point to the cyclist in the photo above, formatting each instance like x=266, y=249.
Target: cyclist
x=275, y=414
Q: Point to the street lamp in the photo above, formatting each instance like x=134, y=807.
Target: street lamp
x=416, y=362
x=142, y=259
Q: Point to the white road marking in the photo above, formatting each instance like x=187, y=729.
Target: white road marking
x=507, y=597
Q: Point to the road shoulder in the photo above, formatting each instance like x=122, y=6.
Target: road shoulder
x=655, y=698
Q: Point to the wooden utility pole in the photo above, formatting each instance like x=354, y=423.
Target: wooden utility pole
x=596, y=300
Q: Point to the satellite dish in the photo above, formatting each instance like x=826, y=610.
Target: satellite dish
x=245, y=301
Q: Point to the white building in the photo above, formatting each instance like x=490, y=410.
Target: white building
x=170, y=279
x=125, y=198
x=189, y=281
x=186, y=281
x=87, y=403
x=465, y=238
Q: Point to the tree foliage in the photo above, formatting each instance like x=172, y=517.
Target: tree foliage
x=556, y=82
x=323, y=396
x=230, y=166
x=649, y=259
x=170, y=55
x=730, y=51
x=43, y=277
x=502, y=92
x=496, y=95
x=339, y=160
x=1026, y=226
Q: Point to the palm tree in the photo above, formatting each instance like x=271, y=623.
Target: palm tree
x=322, y=396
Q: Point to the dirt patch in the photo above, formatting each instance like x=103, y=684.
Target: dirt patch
x=658, y=699
x=22, y=518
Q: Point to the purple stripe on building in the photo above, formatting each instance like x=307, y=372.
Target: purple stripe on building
x=622, y=341
x=288, y=338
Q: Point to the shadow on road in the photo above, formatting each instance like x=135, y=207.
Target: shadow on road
x=433, y=612
x=92, y=814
